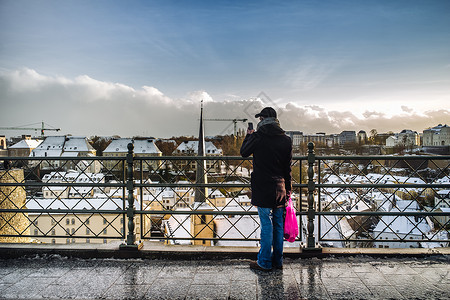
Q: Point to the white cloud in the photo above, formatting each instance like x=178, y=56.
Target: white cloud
x=86, y=106
x=198, y=96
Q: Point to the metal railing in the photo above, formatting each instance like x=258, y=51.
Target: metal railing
x=342, y=201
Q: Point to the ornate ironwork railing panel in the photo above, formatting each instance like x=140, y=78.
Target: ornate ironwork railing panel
x=341, y=201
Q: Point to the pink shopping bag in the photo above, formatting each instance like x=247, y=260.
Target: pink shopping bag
x=290, y=223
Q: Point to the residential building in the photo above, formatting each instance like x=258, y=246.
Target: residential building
x=437, y=136
x=189, y=148
x=62, y=228
x=142, y=148
x=406, y=138
x=24, y=147
x=66, y=147
x=52, y=192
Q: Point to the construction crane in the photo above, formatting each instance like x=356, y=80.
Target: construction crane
x=42, y=129
x=232, y=120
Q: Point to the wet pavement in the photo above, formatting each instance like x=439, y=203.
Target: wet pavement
x=57, y=277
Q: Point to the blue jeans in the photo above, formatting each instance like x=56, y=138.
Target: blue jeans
x=272, y=235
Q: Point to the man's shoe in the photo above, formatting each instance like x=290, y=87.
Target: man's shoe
x=254, y=265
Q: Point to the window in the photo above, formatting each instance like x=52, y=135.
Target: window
x=88, y=232
x=35, y=232
x=53, y=222
x=121, y=220
x=88, y=241
x=105, y=241
x=104, y=221
x=67, y=221
x=73, y=221
x=53, y=232
x=87, y=221
x=67, y=241
x=35, y=222
x=67, y=231
x=73, y=230
x=203, y=219
x=105, y=231
x=53, y=241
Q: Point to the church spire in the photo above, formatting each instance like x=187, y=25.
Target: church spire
x=201, y=192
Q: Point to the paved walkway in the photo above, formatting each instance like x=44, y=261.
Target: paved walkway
x=56, y=277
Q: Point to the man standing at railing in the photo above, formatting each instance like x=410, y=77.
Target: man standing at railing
x=270, y=183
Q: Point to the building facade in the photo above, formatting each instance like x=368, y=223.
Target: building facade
x=437, y=136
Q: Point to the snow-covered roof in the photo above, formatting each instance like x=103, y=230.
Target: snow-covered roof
x=140, y=146
x=407, y=205
x=178, y=226
x=77, y=144
x=72, y=176
x=103, y=203
x=51, y=146
x=437, y=128
x=192, y=147
x=402, y=225
x=237, y=227
x=26, y=144
x=444, y=194
x=62, y=146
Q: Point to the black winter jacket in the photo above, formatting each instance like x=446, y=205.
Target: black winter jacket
x=272, y=156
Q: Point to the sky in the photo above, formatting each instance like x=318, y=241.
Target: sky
x=133, y=68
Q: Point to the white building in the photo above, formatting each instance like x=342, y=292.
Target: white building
x=142, y=148
x=406, y=137
x=190, y=148
x=52, y=192
x=67, y=147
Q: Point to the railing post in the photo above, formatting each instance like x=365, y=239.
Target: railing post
x=131, y=236
x=311, y=241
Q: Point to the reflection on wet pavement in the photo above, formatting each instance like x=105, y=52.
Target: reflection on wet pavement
x=56, y=277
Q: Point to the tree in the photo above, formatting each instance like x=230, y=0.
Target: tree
x=373, y=136
x=99, y=144
x=166, y=147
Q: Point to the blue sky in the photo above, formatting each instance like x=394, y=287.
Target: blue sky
x=321, y=58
